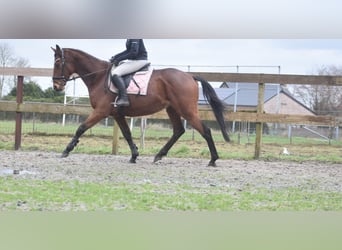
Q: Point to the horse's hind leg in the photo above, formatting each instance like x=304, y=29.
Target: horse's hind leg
x=207, y=136
x=206, y=133
x=178, y=130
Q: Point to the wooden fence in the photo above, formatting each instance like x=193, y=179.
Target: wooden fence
x=259, y=117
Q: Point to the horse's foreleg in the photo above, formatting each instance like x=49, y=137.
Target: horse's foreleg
x=178, y=130
x=90, y=121
x=72, y=144
x=126, y=132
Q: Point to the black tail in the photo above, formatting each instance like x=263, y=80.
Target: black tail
x=216, y=104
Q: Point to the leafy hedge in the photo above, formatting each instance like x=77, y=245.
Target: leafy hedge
x=34, y=93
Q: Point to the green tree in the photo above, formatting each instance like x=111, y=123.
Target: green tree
x=54, y=96
x=31, y=89
x=33, y=92
x=51, y=93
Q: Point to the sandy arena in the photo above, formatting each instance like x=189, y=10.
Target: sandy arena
x=235, y=174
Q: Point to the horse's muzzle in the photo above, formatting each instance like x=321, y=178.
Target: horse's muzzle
x=57, y=86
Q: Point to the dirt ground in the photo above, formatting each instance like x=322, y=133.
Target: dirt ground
x=192, y=172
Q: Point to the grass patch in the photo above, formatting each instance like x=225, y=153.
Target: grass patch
x=42, y=195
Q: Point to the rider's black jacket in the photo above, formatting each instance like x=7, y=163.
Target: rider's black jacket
x=135, y=50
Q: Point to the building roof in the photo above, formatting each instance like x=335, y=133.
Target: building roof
x=247, y=94
x=222, y=93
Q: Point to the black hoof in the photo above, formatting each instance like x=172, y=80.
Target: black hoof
x=212, y=164
x=64, y=155
x=157, y=158
x=132, y=161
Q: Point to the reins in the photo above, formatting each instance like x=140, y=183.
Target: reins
x=85, y=75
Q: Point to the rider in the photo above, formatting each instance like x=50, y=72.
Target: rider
x=128, y=61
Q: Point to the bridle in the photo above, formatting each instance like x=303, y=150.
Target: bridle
x=63, y=78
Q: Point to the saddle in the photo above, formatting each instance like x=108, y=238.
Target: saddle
x=129, y=77
x=135, y=82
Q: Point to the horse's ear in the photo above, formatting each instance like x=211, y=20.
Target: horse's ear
x=56, y=49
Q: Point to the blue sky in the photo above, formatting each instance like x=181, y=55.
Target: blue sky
x=294, y=56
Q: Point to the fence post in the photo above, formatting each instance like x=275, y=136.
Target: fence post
x=18, y=118
x=143, y=123
x=259, y=125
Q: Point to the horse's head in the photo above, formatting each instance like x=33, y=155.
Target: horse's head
x=61, y=70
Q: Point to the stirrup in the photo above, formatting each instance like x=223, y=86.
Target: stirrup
x=115, y=103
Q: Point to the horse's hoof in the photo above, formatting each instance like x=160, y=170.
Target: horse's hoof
x=157, y=158
x=212, y=164
x=132, y=161
x=64, y=155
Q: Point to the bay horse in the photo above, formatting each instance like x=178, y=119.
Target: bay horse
x=170, y=89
